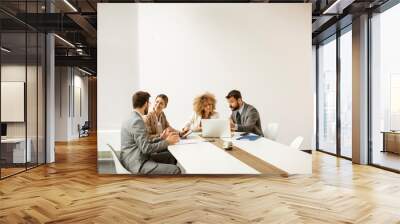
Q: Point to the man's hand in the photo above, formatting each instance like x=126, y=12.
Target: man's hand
x=232, y=124
x=172, y=138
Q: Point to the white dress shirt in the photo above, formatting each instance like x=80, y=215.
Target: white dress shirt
x=195, y=121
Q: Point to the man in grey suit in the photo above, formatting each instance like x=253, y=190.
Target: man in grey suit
x=245, y=117
x=139, y=153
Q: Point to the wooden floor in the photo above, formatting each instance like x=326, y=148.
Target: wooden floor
x=387, y=159
x=5, y=172
x=71, y=191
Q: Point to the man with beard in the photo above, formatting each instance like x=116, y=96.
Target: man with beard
x=139, y=153
x=244, y=118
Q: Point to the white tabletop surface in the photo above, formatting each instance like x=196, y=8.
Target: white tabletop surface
x=283, y=157
x=206, y=158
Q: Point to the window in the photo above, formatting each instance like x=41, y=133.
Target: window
x=385, y=89
x=333, y=137
x=327, y=96
x=346, y=93
x=395, y=101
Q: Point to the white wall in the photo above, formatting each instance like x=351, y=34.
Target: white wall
x=68, y=81
x=185, y=49
x=81, y=103
x=61, y=103
x=117, y=65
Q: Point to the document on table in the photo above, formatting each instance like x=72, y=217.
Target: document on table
x=190, y=141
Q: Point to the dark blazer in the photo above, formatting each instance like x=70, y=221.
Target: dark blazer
x=136, y=146
x=250, y=120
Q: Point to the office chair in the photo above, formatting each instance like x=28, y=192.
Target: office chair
x=271, y=132
x=119, y=168
x=84, y=130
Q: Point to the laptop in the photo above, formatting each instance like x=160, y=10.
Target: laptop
x=215, y=128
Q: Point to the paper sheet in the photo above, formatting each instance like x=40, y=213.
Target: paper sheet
x=189, y=141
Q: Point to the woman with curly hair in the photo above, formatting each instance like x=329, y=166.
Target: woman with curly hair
x=204, y=108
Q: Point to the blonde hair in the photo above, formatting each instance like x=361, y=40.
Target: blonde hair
x=198, y=103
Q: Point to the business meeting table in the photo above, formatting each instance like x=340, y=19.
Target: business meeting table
x=197, y=155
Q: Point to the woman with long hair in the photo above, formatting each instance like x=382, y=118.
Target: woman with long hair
x=156, y=121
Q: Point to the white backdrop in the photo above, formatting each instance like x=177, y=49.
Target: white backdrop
x=182, y=50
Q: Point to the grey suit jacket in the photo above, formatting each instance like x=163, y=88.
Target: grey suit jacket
x=136, y=145
x=250, y=120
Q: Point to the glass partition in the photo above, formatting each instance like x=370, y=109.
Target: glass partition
x=22, y=63
x=32, y=95
x=41, y=97
x=13, y=109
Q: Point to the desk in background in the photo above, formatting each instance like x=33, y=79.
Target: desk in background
x=13, y=150
x=391, y=141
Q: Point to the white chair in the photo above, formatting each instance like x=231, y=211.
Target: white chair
x=271, y=132
x=296, y=143
x=119, y=168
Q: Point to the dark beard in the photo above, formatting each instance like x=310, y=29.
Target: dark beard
x=146, y=111
x=234, y=108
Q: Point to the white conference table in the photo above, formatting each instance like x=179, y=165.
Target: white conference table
x=206, y=158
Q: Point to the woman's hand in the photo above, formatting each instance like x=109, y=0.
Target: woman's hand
x=165, y=133
x=172, y=138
